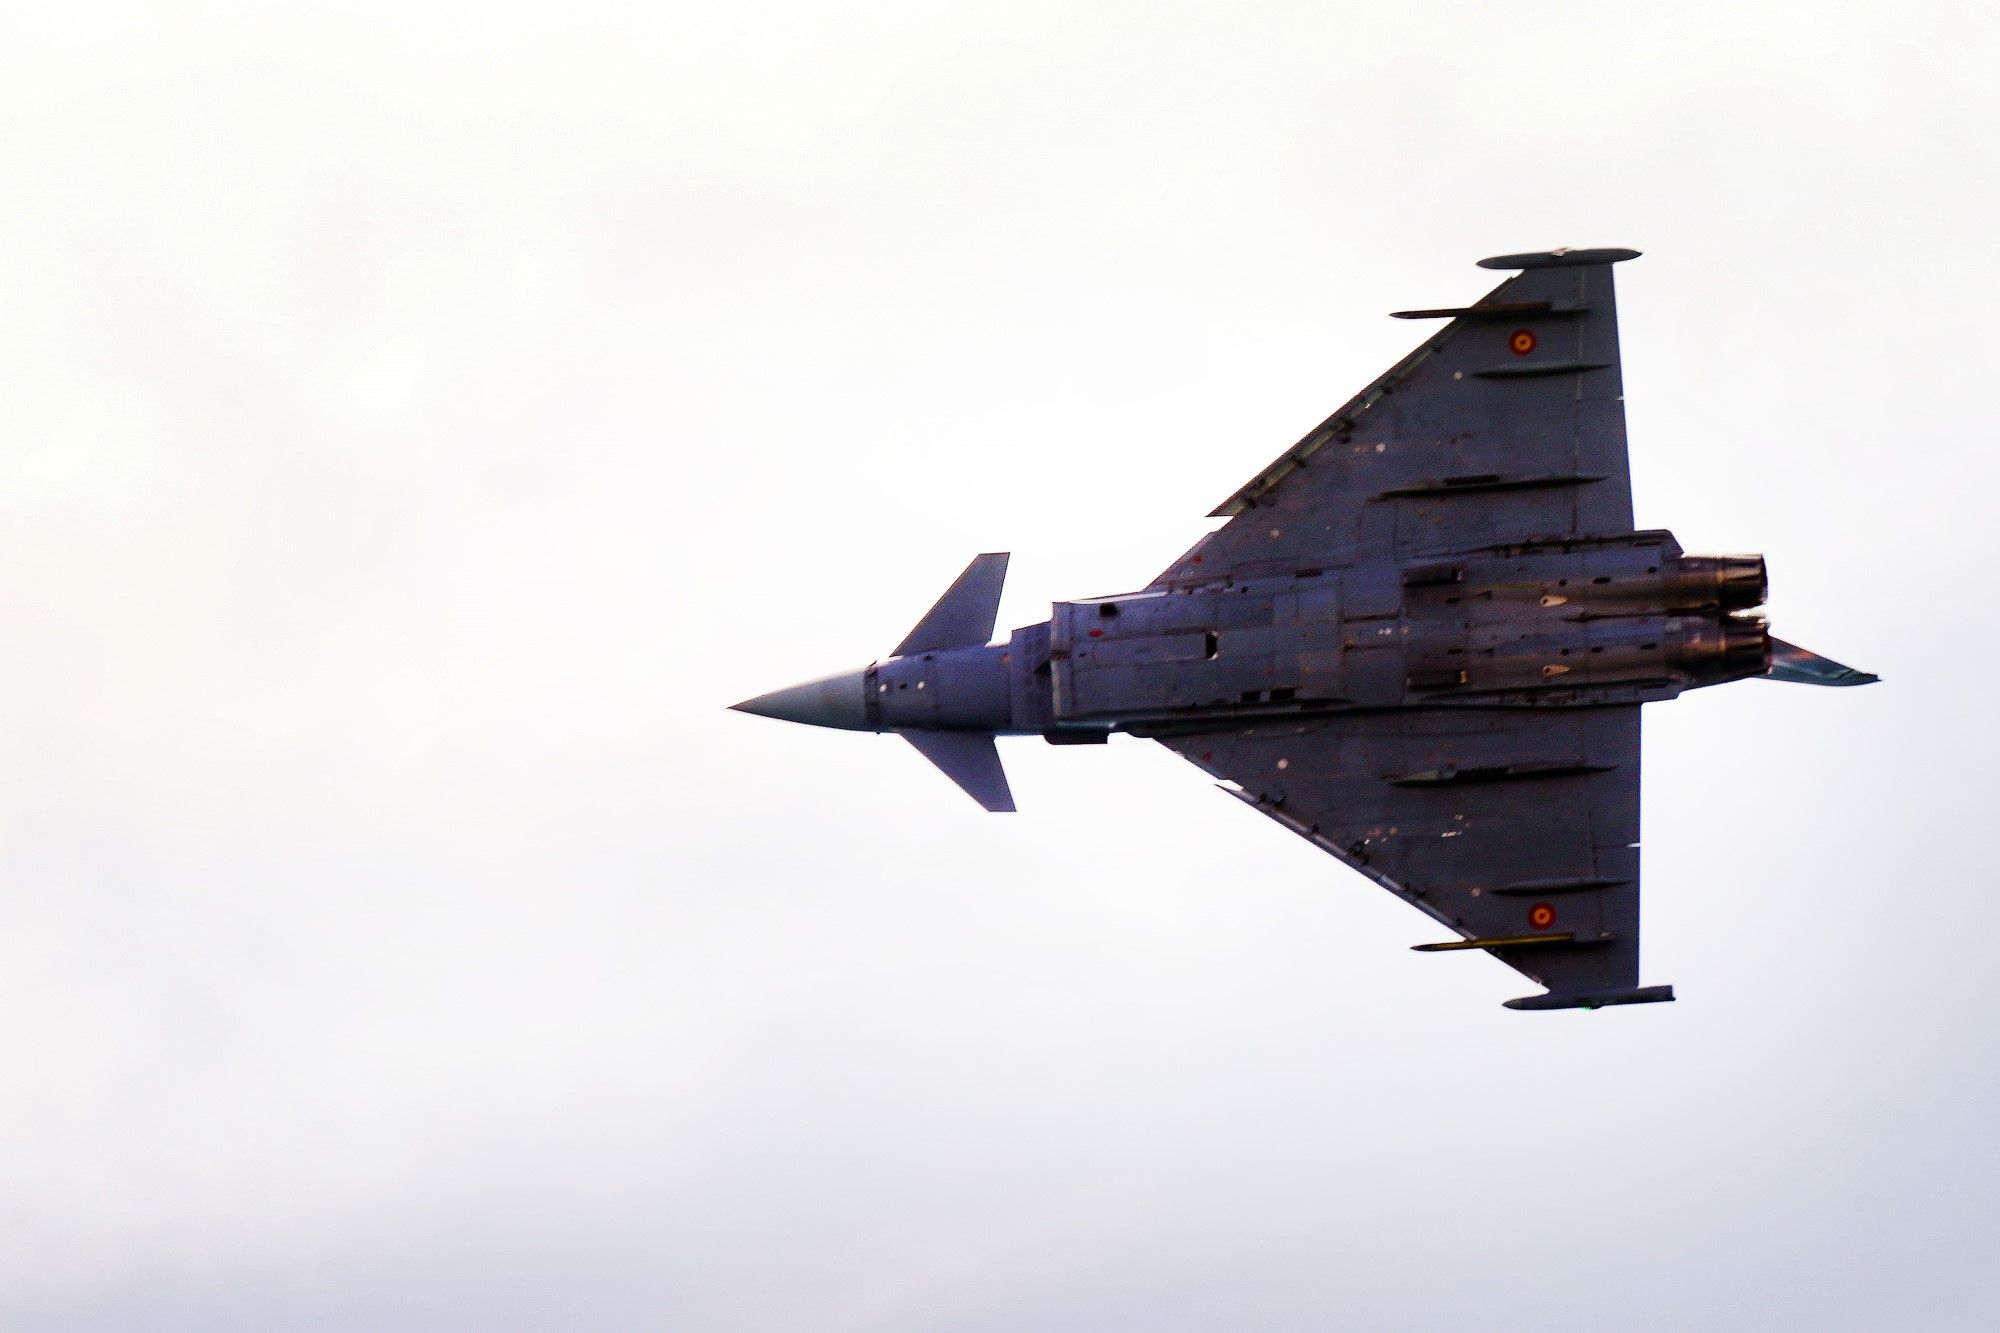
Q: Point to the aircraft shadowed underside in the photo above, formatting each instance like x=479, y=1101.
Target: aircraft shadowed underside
x=1420, y=641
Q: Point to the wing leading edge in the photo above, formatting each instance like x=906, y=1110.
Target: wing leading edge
x=1506, y=424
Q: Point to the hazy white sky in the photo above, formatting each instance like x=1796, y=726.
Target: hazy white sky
x=421, y=420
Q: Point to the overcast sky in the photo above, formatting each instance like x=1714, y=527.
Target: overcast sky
x=422, y=420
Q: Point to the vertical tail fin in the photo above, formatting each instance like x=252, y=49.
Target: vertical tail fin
x=963, y=617
x=1789, y=662
x=970, y=759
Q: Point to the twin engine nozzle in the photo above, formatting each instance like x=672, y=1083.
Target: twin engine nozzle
x=1717, y=648
x=1670, y=582
x=1732, y=645
x=1730, y=582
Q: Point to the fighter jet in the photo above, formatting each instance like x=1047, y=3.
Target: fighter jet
x=1421, y=641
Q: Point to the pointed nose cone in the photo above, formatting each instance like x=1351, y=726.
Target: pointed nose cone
x=837, y=701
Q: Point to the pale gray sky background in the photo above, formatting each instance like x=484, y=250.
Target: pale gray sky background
x=421, y=420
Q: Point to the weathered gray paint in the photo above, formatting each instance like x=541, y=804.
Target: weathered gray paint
x=1421, y=641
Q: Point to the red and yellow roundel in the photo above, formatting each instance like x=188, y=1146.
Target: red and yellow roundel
x=1523, y=342
x=1541, y=916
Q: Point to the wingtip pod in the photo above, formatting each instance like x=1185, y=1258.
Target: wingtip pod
x=1560, y=258
x=1594, y=999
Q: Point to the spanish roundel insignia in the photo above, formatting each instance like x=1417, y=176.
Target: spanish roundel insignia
x=1523, y=342
x=1541, y=916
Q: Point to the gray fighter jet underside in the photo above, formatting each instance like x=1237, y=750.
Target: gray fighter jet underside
x=1421, y=641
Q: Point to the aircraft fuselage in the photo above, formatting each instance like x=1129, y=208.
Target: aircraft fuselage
x=1572, y=622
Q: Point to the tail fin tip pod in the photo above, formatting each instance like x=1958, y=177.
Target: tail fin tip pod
x=1795, y=665
x=970, y=759
x=964, y=616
